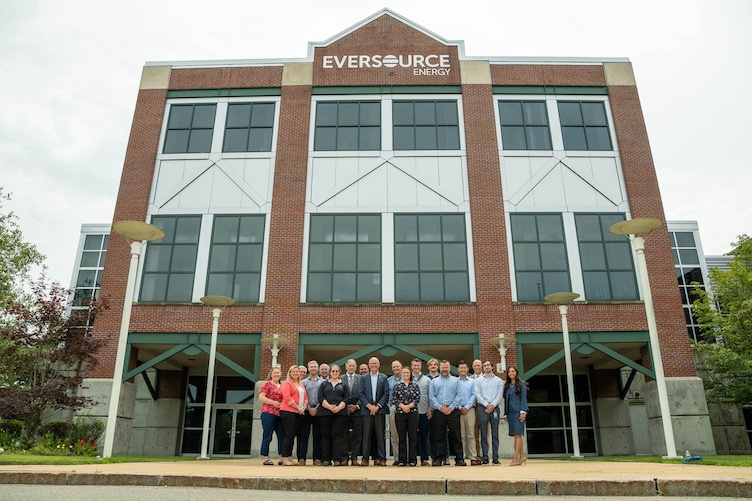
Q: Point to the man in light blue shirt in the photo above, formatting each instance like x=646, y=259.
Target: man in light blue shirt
x=467, y=412
x=395, y=378
x=489, y=390
x=445, y=395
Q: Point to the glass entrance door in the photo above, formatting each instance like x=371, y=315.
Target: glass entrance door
x=232, y=432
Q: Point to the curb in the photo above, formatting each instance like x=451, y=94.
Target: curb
x=577, y=487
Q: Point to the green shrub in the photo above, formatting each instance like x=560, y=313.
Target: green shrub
x=12, y=434
x=57, y=429
x=86, y=429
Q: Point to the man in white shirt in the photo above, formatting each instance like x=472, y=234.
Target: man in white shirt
x=489, y=391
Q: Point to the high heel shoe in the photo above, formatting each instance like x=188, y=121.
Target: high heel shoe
x=514, y=462
x=523, y=460
x=289, y=462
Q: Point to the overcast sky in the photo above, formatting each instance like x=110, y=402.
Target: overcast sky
x=69, y=75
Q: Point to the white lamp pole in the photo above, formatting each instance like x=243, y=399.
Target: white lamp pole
x=138, y=233
x=636, y=227
x=275, y=344
x=500, y=344
x=217, y=303
x=562, y=300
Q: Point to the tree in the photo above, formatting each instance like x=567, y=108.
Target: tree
x=725, y=312
x=16, y=255
x=43, y=353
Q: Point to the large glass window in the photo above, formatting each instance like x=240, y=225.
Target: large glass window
x=170, y=263
x=235, y=259
x=347, y=126
x=540, y=255
x=249, y=127
x=688, y=272
x=190, y=128
x=584, y=125
x=426, y=125
x=344, y=258
x=430, y=258
x=606, y=258
x=524, y=125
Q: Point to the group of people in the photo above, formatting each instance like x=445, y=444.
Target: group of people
x=433, y=416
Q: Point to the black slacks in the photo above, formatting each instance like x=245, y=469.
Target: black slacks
x=440, y=424
x=333, y=437
x=407, y=430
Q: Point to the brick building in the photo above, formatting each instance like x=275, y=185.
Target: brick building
x=391, y=196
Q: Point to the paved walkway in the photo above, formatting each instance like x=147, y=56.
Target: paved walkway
x=542, y=477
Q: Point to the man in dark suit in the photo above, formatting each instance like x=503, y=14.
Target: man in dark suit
x=352, y=380
x=374, y=394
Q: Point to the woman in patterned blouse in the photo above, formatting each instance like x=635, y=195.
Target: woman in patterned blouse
x=271, y=397
x=406, y=396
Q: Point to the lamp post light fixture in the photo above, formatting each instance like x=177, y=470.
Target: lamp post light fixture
x=636, y=227
x=216, y=303
x=137, y=233
x=275, y=343
x=563, y=300
x=501, y=344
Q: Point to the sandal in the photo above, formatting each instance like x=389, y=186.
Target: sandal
x=268, y=462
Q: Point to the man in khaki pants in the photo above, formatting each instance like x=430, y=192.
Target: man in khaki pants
x=467, y=413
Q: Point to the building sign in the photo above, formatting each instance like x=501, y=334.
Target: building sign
x=432, y=64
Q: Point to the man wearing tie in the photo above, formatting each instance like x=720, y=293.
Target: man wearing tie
x=353, y=381
x=374, y=394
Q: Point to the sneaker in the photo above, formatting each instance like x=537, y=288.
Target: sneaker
x=484, y=461
x=437, y=462
x=461, y=462
x=496, y=461
x=425, y=462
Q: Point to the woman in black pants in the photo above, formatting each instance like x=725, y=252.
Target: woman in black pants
x=406, y=396
x=333, y=418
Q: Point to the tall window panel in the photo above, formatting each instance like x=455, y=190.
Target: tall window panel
x=688, y=272
x=584, y=125
x=90, y=269
x=426, y=125
x=347, y=126
x=235, y=258
x=606, y=258
x=524, y=125
x=540, y=255
x=344, y=258
x=430, y=258
x=190, y=128
x=249, y=127
x=170, y=263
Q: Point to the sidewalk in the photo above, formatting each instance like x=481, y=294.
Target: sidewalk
x=544, y=477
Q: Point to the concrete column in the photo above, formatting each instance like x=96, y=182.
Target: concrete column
x=614, y=427
x=689, y=416
x=99, y=390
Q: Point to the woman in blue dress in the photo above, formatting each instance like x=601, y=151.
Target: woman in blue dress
x=515, y=412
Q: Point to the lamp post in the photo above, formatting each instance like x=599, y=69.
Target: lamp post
x=137, y=233
x=217, y=303
x=500, y=344
x=635, y=227
x=563, y=300
x=275, y=344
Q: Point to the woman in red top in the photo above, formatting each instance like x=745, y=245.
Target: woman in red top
x=294, y=404
x=271, y=397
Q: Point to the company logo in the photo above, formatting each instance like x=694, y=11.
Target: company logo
x=432, y=64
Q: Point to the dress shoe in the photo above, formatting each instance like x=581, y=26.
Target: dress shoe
x=364, y=462
x=496, y=461
x=413, y=464
x=337, y=463
x=377, y=462
x=355, y=462
x=461, y=462
x=301, y=462
x=323, y=463
x=484, y=461
x=446, y=462
x=396, y=463
x=425, y=462
x=317, y=462
x=437, y=462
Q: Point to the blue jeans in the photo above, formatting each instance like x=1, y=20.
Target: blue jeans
x=271, y=424
x=483, y=419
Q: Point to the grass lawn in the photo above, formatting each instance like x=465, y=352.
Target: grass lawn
x=21, y=458
x=706, y=460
